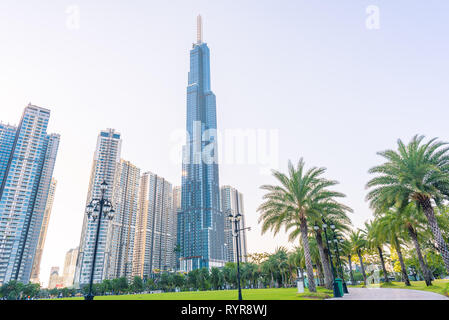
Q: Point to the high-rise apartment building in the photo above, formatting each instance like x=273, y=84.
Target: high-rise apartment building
x=232, y=204
x=201, y=224
x=35, y=271
x=27, y=159
x=155, y=242
x=68, y=274
x=122, y=229
x=177, y=196
x=104, y=168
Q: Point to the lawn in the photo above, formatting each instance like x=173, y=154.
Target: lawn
x=248, y=294
x=438, y=286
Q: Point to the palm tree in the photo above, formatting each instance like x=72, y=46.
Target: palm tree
x=414, y=222
x=390, y=229
x=346, y=251
x=418, y=173
x=299, y=196
x=358, y=244
x=333, y=213
x=376, y=242
x=296, y=260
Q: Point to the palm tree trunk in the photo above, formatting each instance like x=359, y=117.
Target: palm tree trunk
x=324, y=261
x=425, y=270
x=401, y=261
x=383, y=264
x=439, y=240
x=308, y=259
x=350, y=270
x=359, y=253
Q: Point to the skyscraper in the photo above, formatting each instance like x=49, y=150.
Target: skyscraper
x=177, y=196
x=122, y=229
x=155, y=242
x=43, y=234
x=104, y=168
x=27, y=159
x=232, y=203
x=69, y=267
x=201, y=224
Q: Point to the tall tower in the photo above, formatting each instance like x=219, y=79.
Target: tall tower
x=122, y=229
x=201, y=224
x=104, y=168
x=27, y=159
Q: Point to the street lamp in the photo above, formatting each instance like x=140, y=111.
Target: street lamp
x=236, y=234
x=337, y=293
x=336, y=241
x=98, y=209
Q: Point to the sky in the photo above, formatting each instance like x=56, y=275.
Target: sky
x=336, y=81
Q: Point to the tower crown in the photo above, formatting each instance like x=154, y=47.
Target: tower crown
x=199, y=30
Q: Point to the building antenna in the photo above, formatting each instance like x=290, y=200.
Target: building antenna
x=199, y=30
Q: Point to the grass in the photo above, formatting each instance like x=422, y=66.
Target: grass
x=438, y=286
x=248, y=294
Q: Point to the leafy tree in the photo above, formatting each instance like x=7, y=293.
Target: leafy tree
x=375, y=241
x=137, y=285
x=358, y=244
x=419, y=173
x=300, y=195
x=390, y=228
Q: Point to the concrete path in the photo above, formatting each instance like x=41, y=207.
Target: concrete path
x=389, y=294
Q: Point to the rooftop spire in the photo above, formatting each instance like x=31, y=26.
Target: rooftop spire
x=199, y=30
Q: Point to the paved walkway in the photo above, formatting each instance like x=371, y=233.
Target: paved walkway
x=389, y=294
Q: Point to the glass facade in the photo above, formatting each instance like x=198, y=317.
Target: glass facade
x=200, y=221
x=27, y=159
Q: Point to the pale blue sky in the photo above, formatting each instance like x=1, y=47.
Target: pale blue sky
x=337, y=92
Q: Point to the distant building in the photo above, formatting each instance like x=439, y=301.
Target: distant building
x=177, y=196
x=69, y=267
x=43, y=234
x=27, y=159
x=154, y=249
x=120, y=243
x=104, y=168
x=55, y=281
x=232, y=203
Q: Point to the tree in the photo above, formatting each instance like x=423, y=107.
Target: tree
x=375, y=241
x=300, y=195
x=389, y=228
x=414, y=223
x=358, y=244
x=346, y=251
x=137, y=285
x=215, y=278
x=419, y=173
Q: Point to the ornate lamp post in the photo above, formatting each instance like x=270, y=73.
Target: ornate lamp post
x=98, y=209
x=337, y=293
x=336, y=241
x=236, y=234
